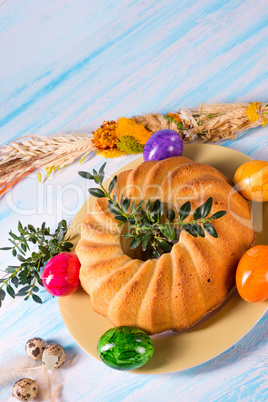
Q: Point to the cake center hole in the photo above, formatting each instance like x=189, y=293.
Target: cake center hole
x=137, y=253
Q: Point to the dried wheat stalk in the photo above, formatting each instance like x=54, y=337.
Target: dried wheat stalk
x=26, y=154
x=206, y=123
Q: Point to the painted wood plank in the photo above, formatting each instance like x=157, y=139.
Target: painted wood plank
x=67, y=66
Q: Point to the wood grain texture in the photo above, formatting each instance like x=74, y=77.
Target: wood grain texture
x=68, y=65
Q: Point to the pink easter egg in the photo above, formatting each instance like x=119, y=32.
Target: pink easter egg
x=61, y=274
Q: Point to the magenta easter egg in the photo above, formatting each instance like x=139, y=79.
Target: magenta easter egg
x=61, y=274
x=163, y=144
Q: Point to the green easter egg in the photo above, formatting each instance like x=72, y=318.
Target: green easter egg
x=125, y=348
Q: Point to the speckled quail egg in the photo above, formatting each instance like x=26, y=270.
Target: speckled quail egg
x=53, y=356
x=34, y=348
x=25, y=389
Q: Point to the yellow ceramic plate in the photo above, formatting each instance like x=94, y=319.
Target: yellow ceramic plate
x=175, y=351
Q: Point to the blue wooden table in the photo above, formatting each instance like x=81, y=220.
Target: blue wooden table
x=67, y=65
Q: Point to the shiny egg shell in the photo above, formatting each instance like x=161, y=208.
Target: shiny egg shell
x=34, y=348
x=125, y=348
x=251, y=180
x=61, y=274
x=53, y=356
x=163, y=144
x=25, y=389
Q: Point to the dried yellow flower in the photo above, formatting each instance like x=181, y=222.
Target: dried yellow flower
x=82, y=159
x=39, y=177
x=119, y=138
x=265, y=121
x=104, y=136
x=252, y=111
x=49, y=170
x=110, y=153
x=130, y=128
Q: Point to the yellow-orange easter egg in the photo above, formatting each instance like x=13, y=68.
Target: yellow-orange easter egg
x=251, y=180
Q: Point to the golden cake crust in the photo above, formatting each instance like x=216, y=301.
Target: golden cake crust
x=178, y=289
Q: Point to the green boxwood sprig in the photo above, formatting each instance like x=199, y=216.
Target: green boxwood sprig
x=149, y=226
x=24, y=279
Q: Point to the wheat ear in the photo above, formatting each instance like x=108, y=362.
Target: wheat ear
x=26, y=154
x=208, y=122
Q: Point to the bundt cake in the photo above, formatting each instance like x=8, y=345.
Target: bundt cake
x=178, y=289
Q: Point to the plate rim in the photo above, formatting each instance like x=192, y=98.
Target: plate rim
x=141, y=370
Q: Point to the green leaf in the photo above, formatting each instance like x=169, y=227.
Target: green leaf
x=20, y=228
x=13, y=235
x=157, y=210
x=68, y=244
x=154, y=254
x=204, y=209
x=20, y=294
x=218, y=215
x=112, y=184
x=164, y=245
x=15, y=281
x=10, y=291
x=126, y=204
x=210, y=229
x=61, y=225
x=184, y=211
x=188, y=228
x=102, y=168
x=138, y=207
x=128, y=235
x=198, y=230
x=23, y=274
x=43, y=249
x=10, y=269
x=39, y=280
x=24, y=289
x=120, y=218
x=97, y=192
x=131, y=220
x=100, y=178
x=2, y=294
x=6, y=248
x=133, y=207
x=170, y=215
x=145, y=244
x=14, y=252
x=32, y=228
x=113, y=209
x=168, y=232
x=24, y=248
x=25, y=281
x=143, y=236
x=134, y=243
x=86, y=175
x=21, y=258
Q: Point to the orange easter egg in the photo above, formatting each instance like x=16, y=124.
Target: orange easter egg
x=252, y=274
x=251, y=180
